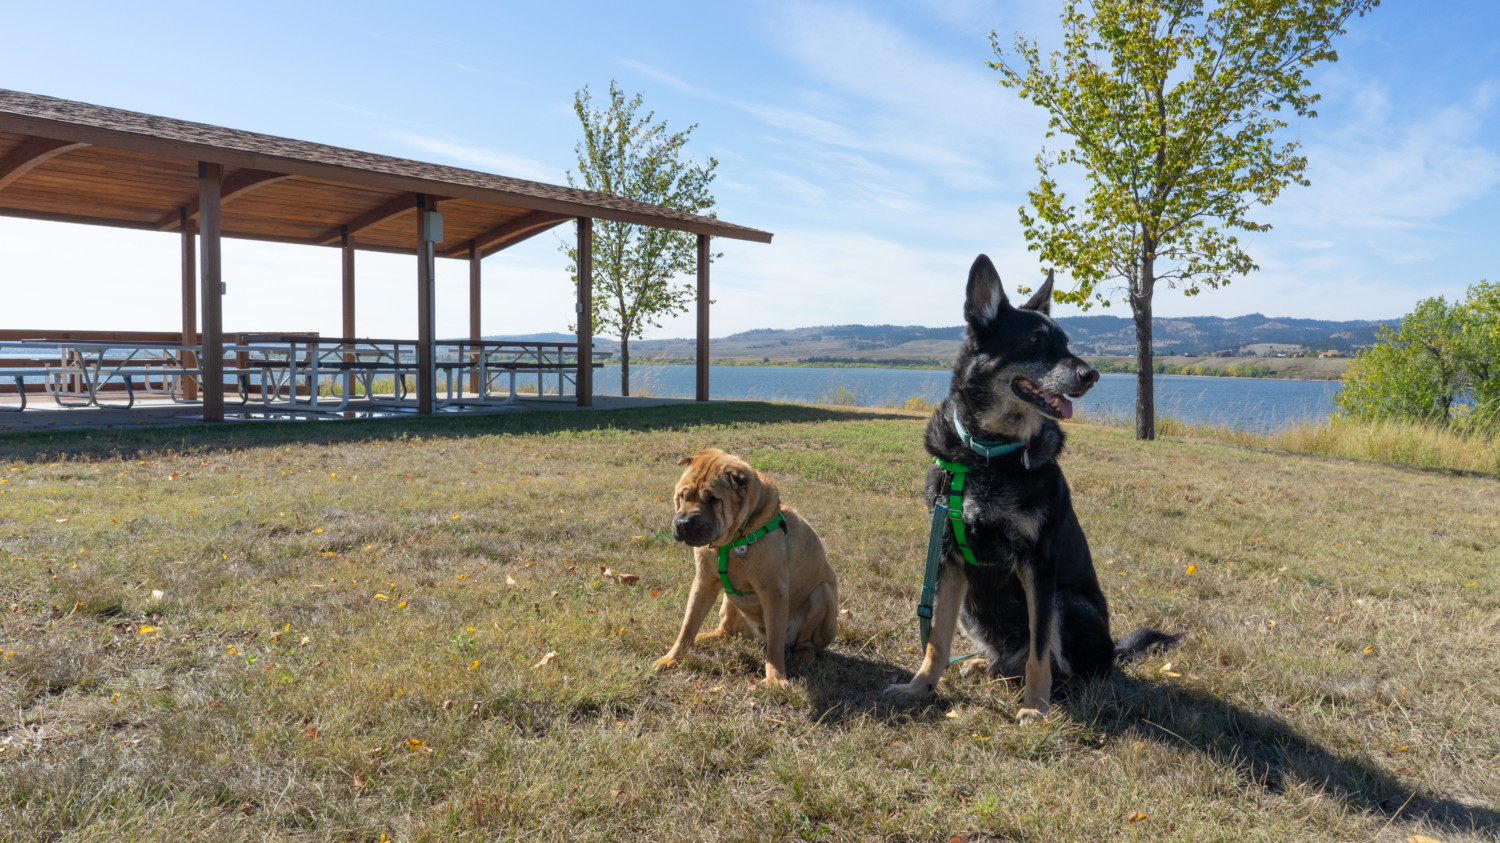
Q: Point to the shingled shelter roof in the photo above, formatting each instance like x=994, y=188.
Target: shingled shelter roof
x=75, y=162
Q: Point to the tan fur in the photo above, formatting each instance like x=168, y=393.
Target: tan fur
x=795, y=592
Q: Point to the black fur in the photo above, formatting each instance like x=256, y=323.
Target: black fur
x=1020, y=521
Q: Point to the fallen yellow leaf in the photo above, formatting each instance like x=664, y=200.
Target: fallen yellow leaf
x=1192, y=569
x=418, y=746
x=381, y=597
x=1137, y=817
x=546, y=660
x=401, y=605
x=146, y=629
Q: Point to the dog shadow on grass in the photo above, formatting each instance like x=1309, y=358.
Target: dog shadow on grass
x=842, y=688
x=1265, y=748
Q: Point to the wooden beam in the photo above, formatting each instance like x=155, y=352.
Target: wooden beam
x=347, y=243
x=242, y=182
x=31, y=153
x=80, y=219
x=474, y=299
x=510, y=232
x=702, y=317
x=583, y=382
x=211, y=361
x=394, y=207
x=189, y=302
x=426, y=321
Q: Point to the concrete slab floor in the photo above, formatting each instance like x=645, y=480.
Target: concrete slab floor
x=42, y=414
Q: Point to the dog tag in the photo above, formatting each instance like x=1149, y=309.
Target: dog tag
x=1026, y=459
x=741, y=549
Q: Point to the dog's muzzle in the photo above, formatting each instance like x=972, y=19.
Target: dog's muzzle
x=693, y=530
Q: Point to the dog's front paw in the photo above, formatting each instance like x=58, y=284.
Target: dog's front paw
x=664, y=663
x=1028, y=716
x=704, y=637
x=775, y=682
x=910, y=693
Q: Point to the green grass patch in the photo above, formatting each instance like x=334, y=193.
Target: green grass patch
x=341, y=631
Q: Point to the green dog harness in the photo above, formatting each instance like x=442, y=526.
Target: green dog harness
x=744, y=541
x=950, y=509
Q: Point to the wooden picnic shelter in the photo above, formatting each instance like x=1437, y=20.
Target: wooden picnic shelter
x=69, y=161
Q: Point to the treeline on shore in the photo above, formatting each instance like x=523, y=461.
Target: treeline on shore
x=1108, y=366
x=1256, y=370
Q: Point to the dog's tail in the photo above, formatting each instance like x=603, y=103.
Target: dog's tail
x=1143, y=641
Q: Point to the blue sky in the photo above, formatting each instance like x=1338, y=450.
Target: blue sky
x=870, y=138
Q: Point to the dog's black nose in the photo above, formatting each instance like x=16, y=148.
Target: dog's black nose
x=1087, y=374
x=680, y=528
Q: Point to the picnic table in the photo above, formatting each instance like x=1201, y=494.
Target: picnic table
x=83, y=370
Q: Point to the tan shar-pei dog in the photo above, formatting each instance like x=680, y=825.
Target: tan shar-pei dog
x=767, y=561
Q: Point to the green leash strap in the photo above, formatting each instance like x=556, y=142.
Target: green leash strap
x=953, y=514
x=929, y=578
x=749, y=539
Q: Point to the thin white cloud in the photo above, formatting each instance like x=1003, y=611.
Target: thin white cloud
x=489, y=160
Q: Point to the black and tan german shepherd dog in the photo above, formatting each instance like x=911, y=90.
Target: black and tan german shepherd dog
x=1031, y=600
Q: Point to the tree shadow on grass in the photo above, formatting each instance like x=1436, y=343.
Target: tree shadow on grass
x=232, y=436
x=1264, y=748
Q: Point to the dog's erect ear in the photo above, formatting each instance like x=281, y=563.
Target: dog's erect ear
x=1041, y=301
x=685, y=461
x=985, y=298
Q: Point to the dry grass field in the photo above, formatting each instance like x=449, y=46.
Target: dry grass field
x=400, y=630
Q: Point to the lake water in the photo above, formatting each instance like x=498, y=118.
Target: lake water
x=1253, y=404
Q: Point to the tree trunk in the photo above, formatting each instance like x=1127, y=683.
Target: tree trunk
x=625, y=364
x=1145, y=364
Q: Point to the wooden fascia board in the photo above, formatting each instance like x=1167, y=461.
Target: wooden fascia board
x=504, y=234
x=32, y=152
x=241, y=182
x=80, y=219
x=22, y=124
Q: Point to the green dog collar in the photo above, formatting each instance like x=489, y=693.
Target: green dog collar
x=778, y=521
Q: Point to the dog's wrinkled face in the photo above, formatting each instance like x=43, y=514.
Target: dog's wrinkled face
x=1018, y=356
x=712, y=498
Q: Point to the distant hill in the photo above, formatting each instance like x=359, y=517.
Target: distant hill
x=1091, y=336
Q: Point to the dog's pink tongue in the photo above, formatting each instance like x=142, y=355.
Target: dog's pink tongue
x=1064, y=407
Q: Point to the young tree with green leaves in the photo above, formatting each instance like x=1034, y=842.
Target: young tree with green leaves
x=635, y=266
x=1441, y=366
x=1172, y=110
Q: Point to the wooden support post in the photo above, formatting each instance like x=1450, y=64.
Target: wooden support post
x=188, y=359
x=426, y=325
x=703, y=317
x=474, y=292
x=347, y=244
x=211, y=361
x=584, y=381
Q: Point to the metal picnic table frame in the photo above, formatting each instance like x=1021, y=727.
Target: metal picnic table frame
x=93, y=365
